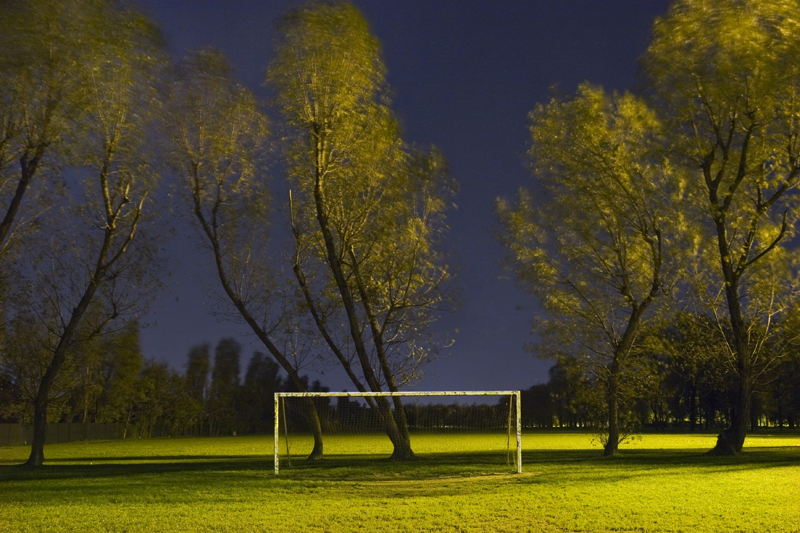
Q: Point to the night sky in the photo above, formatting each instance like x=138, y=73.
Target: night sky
x=465, y=75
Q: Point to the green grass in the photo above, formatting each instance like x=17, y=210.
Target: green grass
x=658, y=483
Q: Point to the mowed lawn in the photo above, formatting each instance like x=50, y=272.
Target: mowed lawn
x=658, y=483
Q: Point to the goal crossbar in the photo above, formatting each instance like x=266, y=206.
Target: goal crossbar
x=516, y=395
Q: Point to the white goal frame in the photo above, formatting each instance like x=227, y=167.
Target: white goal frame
x=515, y=395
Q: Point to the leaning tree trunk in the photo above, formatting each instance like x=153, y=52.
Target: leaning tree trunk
x=316, y=429
x=621, y=353
x=400, y=439
x=36, y=457
x=59, y=355
x=731, y=440
x=313, y=417
x=612, y=445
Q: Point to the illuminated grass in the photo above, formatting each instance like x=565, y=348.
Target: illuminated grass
x=660, y=483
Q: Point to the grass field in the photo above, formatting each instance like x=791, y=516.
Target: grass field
x=658, y=483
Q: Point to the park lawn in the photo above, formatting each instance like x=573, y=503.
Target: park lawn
x=658, y=483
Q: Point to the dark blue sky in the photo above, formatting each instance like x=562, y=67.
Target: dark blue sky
x=464, y=74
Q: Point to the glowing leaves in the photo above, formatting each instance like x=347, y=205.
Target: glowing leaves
x=726, y=75
x=368, y=209
x=600, y=231
x=218, y=142
x=327, y=66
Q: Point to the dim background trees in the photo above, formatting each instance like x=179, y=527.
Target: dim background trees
x=690, y=387
x=257, y=401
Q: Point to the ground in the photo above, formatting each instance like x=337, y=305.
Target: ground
x=658, y=483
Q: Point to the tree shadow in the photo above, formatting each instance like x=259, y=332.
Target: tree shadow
x=426, y=466
x=655, y=462
x=94, y=467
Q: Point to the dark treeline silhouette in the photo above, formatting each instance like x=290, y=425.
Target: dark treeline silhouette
x=351, y=415
x=684, y=383
x=110, y=381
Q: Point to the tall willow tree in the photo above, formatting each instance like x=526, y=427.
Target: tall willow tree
x=219, y=142
x=82, y=73
x=596, y=238
x=726, y=74
x=367, y=213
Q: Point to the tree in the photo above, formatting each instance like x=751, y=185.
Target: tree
x=25, y=359
x=693, y=349
x=106, y=369
x=161, y=404
x=726, y=75
x=85, y=264
x=367, y=213
x=41, y=68
x=261, y=381
x=224, y=387
x=152, y=397
x=38, y=67
x=218, y=141
x=785, y=392
x=197, y=368
x=597, y=243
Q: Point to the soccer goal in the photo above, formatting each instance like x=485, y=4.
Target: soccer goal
x=467, y=425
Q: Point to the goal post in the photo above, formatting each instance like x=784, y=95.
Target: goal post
x=514, y=422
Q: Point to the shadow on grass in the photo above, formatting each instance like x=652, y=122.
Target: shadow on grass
x=426, y=466
x=668, y=456
x=155, y=458
x=96, y=468
x=662, y=462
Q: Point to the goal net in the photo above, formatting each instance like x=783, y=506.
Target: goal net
x=482, y=427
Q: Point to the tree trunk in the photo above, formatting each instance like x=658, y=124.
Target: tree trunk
x=36, y=457
x=731, y=440
x=400, y=439
x=316, y=430
x=127, y=424
x=612, y=445
x=211, y=232
x=402, y=448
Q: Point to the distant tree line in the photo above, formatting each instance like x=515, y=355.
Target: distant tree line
x=108, y=380
x=683, y=382
x=352, y=415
